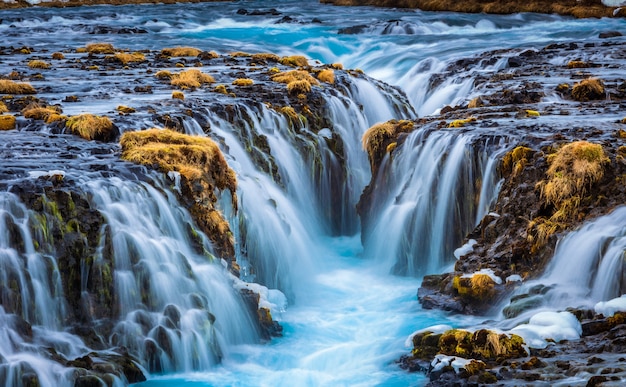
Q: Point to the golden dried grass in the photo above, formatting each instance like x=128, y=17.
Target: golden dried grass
x=125, y=58
x=242, y=82
x=181, y=51
x=194, y=157
x=191, y=79
x=100, y=48
x=91, y=127
x=588, y=89
x=294, y=75
x=7, y=122
x=38, y=64
x=11, y=87
x=326, y=75
x=178, y=95
x=294, y=61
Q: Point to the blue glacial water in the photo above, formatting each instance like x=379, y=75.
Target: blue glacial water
x=350, y=320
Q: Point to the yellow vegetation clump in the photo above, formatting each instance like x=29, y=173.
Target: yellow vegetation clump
x=573, y=169
x=91, y=127
x=3, y=108
x=514, y=161
x=337, y=66
x=194, y=157
x=376, y=140
x=265, y=57
x=190, y=79
x=100, y=48
x=125, y=58
x=202, y=167
x=532, y=113
x=294, y=61
x=38, y=64
x=221, y=89
x=7, y=122
x=482, y=344
x=562, y=88
x=125, y=109
x=298, y=87
x=461, y=123
x=588, y=89
x=577, y=64
x=477, y=288
x=294, y=75
x=243, y=82
x=48, y=114
x=58, y=56
x=181, y=51
x=294, y=118
x=475, y=103
x=326, y=75
x=163, y=74
x=11, y=87
x=240, y=54
x=178, y=95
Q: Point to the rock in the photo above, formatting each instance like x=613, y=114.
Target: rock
x=609, y=34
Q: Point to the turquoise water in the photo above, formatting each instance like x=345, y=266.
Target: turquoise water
x=350, y=319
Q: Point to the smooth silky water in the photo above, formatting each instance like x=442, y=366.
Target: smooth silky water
x=347, y=316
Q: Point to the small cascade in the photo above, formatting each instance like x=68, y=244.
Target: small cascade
x=32, y=311
x=432, y=191
x=178, y=310
x=147, y=283
x=587, y=267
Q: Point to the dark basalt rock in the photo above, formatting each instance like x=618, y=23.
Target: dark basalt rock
x=610, y=34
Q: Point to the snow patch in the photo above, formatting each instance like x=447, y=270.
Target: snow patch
x=272, y=299
x=465, y=249
x=557, y=326
x=513, y=278
x=609, y=308
x=488, y=272
x=435, y=329
x=441, y=361
x=614, y=3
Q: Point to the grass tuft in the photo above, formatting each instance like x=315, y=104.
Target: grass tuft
x=91, y=127
x=181, y=52
x=190, y=79
x=38, y=64
x=588, y=89
x=326, y=75
x=100, y=48
x=243, y=82
x=11, y=87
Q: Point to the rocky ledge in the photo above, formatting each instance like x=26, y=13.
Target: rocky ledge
x=579, y=9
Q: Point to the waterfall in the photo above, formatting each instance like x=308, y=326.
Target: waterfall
x=299, y=180
x=587, y=267
x=152, y=286
x=432, y=190
x=178, y=310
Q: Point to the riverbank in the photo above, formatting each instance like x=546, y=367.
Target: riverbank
x=588, y=8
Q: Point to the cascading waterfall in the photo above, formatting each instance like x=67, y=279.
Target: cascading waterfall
x=587, y=267
x=174, y=306
x=316, y=183
x=429, y=194
x=31, y=317
x=178, y=309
